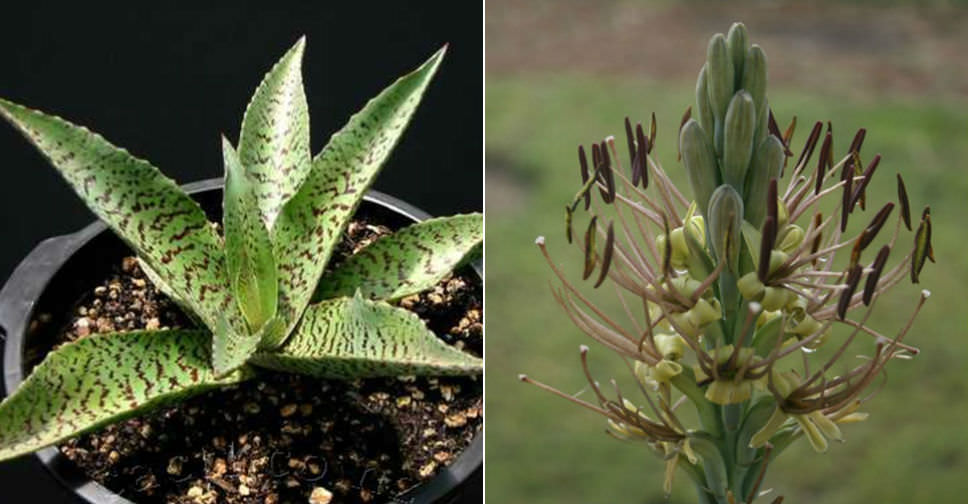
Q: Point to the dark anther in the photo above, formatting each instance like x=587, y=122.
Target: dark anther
x=859, y=193
x=644, y=148
x=583, y=163
x=652, y=133
x=856, y=144
x=871, y=286
x=853, y=278
x=808, y=147
x=847, y=176
x=815, y=246
x=608, y=178
x=870, y=232
x=590, y=255
x=767, y=242
x=902, y=198
x=630, y=141
x=826, y=155
x=606, y=255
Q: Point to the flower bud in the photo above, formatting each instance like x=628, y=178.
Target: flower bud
x=777, y=258
x=806, y=326
x=725, y=220
x=737, y=42
x=665, y=370
x=697, y=228
x=684, y=285
x=750, y=287
x=670, y=346
x=726, y=391
x=766, y=164
x=705, y=312
x=699, y=161
x=720, y=76
x=642, y=374
x=754, y=77
x=790, y=238
x=738, y=131
x=704, y=111
x=775, y=298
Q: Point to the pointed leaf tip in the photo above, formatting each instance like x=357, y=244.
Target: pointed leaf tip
x=309, y=227
x=358, y=338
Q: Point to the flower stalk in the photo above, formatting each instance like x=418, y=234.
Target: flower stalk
x=737, y=289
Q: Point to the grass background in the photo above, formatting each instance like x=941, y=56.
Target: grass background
x=564, y=73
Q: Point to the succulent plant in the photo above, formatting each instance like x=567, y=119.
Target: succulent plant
x=258, y=293
x=740, y=287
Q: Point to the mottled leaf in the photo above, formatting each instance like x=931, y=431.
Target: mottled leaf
x=248, y=251
x=274, y=141
x=409, y=261
x=358, y=338
x=311, y=223
x=165, y=227
x=102, y=379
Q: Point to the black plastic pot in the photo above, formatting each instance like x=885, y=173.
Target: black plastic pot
x=60, y=269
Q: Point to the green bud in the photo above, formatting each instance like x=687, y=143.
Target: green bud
x=754, y=77
x=704, y=110
x=750, y=287
x=643, y=375
x=725, y=222
x=685, y=323
x=775, y=298
x=738, y=139
x=766, y=164
x=680, y=250
x=806, y=326
x=666, y=370
x=700, y=162
x=726, y=391
x=777, y=258
x=790, y=238
x=697, y=228
x=670, y=346
x=720, y=76
x=705, y=312
x=737, y=41
x=684, y=285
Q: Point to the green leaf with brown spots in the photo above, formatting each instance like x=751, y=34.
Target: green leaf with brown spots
x=248, y=251
x=311, y=223
x=274, y=142
x=353, y=337
x=102, y=379
x=165, y=227
x=408, y=261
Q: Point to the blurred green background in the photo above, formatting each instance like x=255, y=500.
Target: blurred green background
x=561, y=73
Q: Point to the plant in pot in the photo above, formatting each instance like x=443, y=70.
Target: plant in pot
x=731, y=298
x=274, y=289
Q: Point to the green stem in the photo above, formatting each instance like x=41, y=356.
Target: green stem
x=708, y=415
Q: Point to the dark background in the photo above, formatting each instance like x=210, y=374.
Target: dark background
x=165, y=82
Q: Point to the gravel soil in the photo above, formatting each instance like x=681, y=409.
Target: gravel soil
x=284, y=438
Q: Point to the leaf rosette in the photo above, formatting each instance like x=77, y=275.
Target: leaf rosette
x=258, y=291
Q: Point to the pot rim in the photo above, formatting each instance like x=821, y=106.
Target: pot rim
x=30, y=279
